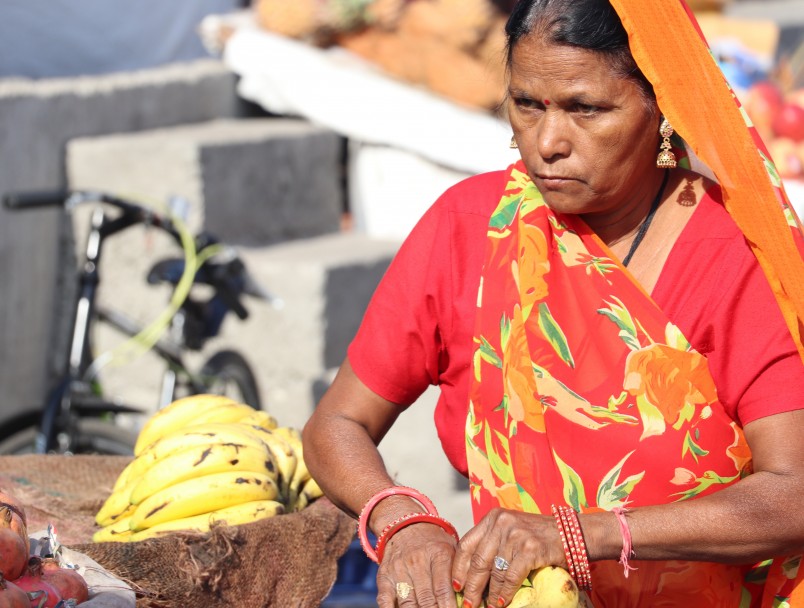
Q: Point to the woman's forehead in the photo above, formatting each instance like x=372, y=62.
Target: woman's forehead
x=538, y=63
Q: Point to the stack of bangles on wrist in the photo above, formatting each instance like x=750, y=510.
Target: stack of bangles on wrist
x=430, y=516
x=569, y=528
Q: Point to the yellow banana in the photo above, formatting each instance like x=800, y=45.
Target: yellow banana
x=301, y=474
x=260, y=418
x=199, y=460
x=176, y=416
x=116, y=506
x=236, y=515
x=202, y=494
x=201, y=434
x=227, y=412
x=312, y=490
x=124, y=476
x=119, y=531
x=291, y=435
x=286, y=459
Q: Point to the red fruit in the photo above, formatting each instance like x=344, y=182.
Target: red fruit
x=13, y=554
x=12, y=596
x=789, y=122
x=68, y=582
x=41, y=593
x=762, y=103
x=11, y=518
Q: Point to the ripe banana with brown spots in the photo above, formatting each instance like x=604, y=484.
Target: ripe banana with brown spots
x=200, y=460
x=201, y=495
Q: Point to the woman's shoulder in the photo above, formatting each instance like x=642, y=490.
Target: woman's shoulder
x=477, y=194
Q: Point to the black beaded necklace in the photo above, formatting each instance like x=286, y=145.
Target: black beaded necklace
x=643, y=229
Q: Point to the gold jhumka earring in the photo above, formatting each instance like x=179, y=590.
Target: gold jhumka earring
x=666, y=158
x=513, y=145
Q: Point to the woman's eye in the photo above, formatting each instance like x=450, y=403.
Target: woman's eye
x=528, y=104
x=585, y=109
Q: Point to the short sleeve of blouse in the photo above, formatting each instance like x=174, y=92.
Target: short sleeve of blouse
x=397, y=348
x=417, y=329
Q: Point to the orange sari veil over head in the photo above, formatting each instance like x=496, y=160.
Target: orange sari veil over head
x=583, y=392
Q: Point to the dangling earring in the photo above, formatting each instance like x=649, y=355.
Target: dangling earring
x=513, y=145
x=666, y=158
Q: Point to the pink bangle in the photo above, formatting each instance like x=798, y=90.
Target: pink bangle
x=406, y=520
x=365, y=513
x=628, y=550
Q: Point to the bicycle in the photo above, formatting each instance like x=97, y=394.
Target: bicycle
x=76, y=417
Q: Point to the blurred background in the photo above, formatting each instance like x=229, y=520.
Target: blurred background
x=309, y=134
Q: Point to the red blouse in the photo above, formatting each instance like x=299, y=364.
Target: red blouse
x=419, y=325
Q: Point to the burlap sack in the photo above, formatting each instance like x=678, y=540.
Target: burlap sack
x=289, y=560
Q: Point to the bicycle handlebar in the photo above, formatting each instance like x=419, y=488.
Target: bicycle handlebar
x=33, y=199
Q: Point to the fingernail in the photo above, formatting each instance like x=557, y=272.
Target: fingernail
x=467, y=604
x=456, y=585
x=501, y=602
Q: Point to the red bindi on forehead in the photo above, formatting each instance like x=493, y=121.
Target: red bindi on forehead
x=547, y=102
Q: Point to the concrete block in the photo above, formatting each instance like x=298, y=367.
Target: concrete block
x=37, y=118
x=254, y=181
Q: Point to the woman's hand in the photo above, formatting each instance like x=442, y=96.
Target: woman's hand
x=525, y=541
x=420, y=556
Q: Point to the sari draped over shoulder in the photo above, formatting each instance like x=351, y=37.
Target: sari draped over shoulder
x=585, y=394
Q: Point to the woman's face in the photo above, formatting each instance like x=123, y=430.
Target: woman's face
x=586, y=134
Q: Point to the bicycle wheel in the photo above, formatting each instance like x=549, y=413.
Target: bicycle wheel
x=228, y=373
x=92, y=437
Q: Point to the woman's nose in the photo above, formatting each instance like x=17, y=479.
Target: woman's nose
x=552, y=137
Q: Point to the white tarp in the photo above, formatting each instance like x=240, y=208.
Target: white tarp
x=335, y=89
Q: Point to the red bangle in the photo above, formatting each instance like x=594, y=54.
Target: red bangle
x=406, y=520
x=362, y=522
x=574, y=546
x=565, y=544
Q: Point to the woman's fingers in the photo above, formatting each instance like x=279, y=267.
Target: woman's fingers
x=506, y=577
x=416, y=568
x=496, y=556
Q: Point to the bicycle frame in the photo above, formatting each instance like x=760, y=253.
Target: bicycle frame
x=76, y=395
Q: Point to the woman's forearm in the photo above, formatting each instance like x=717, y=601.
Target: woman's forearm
x=747, y=522
x=756, y=518
x=340, y=450
x=344, y=461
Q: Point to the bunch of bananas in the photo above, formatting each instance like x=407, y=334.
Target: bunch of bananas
x=203, y=460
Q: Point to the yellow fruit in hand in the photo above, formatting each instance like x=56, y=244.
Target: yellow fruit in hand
x=552, y=587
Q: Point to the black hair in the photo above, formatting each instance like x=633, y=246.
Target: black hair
x=588, y=24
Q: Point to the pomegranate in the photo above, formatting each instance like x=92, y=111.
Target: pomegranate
x=789, y=122
x=68, y=582
x=763, y=103
x=13, y=554
x=11, y=518
x=11, y=596
x=12, y=502
x=42, y=594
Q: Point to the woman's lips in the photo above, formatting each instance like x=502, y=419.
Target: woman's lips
x=553, y=181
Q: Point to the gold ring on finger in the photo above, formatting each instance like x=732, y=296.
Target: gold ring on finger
x=403, y=590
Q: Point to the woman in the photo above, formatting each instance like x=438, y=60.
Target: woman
x=617, y=340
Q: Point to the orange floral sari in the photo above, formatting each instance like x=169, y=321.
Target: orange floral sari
x=585, y=394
